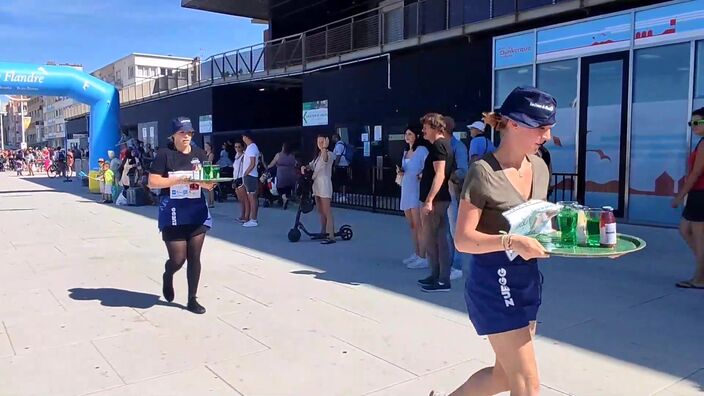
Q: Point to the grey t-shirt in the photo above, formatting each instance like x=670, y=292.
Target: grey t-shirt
x=487, y=187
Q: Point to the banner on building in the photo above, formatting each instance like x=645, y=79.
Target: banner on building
x=585, y=38
x=315, y=113
x=514, y=50
x=205, y=124
x=26, y=122
x=672, y=22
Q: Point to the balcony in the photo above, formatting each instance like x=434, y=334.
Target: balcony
x=369, y=34
x=257, y=9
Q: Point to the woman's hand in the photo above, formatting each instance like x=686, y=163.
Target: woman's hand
x=207, y=186
x=527, y=247
x=303, y=169
x=677, y=201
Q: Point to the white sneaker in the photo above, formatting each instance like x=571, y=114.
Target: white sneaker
x=410, y=259
x=456, y=274
x=418, y=264
x=251, y=223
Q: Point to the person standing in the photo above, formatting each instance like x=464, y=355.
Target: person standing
x=435, y=195
x=321, y=167
x=184, y=218
x=503, y=296
x=285, y=163
x=238, y=183
x=480, y=145
x=342, y=165
x=692, y=223
x=459, y=150
x=250, y=178
x=410, y=171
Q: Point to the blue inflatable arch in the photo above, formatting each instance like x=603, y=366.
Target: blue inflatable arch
x=35, y=80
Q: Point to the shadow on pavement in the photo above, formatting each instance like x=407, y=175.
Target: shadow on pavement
x=627, y=309
x=110, y=297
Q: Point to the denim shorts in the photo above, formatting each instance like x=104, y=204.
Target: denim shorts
x=251, y=184
x=502, y=295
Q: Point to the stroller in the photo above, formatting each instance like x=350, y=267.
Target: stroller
x=306, y=204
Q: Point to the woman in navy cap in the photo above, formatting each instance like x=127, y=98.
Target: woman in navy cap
x=503, y=296
x=183, y=213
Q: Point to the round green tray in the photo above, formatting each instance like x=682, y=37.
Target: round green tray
x=218, y=180
x=625, y=244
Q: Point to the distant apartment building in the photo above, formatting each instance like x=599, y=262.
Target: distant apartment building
x=14, y=123
x=35, y=111
x=137, y=68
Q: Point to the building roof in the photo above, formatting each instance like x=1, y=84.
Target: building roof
x=144, y=55
x=257, y=9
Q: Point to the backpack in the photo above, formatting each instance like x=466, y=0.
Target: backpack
x=349, y=151
x=62, y=156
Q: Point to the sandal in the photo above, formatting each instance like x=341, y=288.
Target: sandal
x=688, y=285
x=328, y=242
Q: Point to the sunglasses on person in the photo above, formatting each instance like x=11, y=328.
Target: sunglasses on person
x=696, y=123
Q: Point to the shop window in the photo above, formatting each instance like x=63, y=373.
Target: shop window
x=560, y=80
x=658, y=131
x=508, y=79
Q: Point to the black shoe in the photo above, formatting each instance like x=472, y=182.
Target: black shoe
x=436, y=288
x=427, y=281
x=168, y=288
x=194, y=307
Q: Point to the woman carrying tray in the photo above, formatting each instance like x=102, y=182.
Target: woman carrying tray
x=503, y=296
x=183, y=212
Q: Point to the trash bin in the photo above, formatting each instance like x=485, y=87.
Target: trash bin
x=93, y=182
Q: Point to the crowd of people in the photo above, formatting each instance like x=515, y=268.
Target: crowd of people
x=52, y=161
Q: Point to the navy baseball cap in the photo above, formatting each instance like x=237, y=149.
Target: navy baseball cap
x=529, y=107
x=181, y=124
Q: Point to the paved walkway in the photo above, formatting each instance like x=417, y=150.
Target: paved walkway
x=81, y=314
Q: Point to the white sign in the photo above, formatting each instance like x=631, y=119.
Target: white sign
x=377, y=133
x=367, y=149
x=205, y=124
x=365, y=137
x=315, y=113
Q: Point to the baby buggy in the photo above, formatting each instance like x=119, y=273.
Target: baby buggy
x=306, y=204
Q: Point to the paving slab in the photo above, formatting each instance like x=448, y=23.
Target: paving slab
x=81, y=299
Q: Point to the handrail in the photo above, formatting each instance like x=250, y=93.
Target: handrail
x=366, y=29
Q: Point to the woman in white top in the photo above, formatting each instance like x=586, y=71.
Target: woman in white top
x=411, y=168
x=322, y=186
x=238, y=185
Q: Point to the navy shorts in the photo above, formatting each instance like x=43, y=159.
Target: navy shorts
x=502, y=295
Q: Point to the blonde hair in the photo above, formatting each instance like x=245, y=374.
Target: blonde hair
x=435, y=120
x=495, y=120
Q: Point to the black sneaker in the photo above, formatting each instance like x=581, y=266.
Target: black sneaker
x=427, y=281
x=436, y=288
x=194, y=307
x=168, y=288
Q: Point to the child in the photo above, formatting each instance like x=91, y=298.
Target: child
x=109, y=178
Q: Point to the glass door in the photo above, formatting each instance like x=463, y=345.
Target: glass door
x=603, y=110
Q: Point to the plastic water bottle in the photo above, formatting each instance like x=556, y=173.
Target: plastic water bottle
x=607, y=228
x=197, y=169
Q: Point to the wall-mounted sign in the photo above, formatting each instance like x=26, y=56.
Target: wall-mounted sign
x=397, y=137
x=673, y=22
x=377, y=133
x=367, y=149
x=205, y=124
x=514, y=50
x=584, y=38
x=315, y=113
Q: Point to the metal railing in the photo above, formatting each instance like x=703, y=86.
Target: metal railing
x=563, y=187
x=377, y=28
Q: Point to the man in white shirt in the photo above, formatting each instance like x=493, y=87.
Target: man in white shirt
x=340, y=177
x=250, y=179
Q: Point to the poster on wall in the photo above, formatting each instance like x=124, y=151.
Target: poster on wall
x=315, y=113
x=205, y=124
x=673, y=22
x=514, y=50
x=585, y=38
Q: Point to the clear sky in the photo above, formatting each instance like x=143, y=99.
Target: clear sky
x=95, y=33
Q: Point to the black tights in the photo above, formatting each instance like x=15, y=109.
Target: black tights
x=179, y=252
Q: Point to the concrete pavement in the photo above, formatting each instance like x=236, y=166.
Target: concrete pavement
x=81, y=312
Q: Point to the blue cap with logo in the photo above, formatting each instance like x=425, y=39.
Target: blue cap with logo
x=181, y=124
x=530, y=107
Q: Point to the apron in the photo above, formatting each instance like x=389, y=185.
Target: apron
x=183, y=209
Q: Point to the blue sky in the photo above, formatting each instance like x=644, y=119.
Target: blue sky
x=97, y=32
